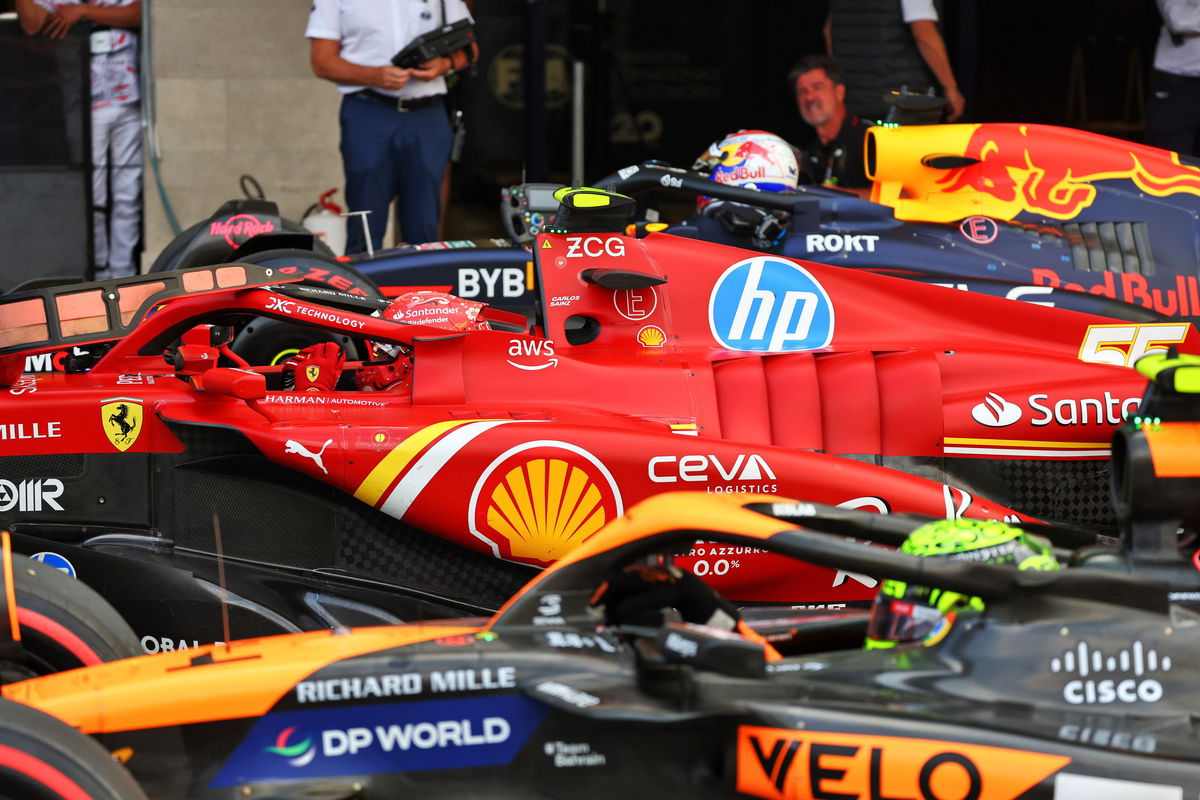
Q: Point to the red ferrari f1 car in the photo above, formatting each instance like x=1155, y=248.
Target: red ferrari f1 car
x=657, y=363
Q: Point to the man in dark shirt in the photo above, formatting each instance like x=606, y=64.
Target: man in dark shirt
x=834, y=155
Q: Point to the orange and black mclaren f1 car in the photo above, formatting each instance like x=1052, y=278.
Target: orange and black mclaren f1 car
x=1070, y=684
x=656, y=363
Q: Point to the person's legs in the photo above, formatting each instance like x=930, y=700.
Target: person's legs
x=125, y=197
x=1173, y=112
x=102, y=122
x=367, y=129
x=421, y=149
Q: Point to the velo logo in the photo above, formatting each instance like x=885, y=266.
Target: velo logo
x=771, y=305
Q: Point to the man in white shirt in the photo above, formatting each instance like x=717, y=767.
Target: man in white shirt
x=116, y=118
x=396, y=137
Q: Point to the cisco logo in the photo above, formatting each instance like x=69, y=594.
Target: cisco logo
x=1111, y=679
x=770, y=305
x=996, y=412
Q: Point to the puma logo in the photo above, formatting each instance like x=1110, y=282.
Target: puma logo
x=292, y=446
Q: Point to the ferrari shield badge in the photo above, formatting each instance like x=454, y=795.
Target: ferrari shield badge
x=122, y=421
x=312, y=373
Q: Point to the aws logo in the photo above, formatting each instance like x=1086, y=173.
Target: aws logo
x=779, y=763
x=540, y=499
x=299, y=754
x=539, y=349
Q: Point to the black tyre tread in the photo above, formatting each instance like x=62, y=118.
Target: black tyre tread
x=178, y=248
x=76, y=606
x=171, y=253
x=263, y=339
x=327, y=261
x=79, y=757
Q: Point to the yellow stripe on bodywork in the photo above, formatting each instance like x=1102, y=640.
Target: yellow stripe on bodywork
x=380, y=478
x=1028, y=443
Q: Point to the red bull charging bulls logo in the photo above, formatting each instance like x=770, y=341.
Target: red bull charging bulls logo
x=1049, y=171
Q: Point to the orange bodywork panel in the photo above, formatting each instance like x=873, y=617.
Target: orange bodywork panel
x=204, y=684
x=1174, y=448
x=670, y=511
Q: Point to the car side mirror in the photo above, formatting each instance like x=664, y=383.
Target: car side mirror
x=11, y=368
x=240, y=383
x=220, y=335
x=710, y=650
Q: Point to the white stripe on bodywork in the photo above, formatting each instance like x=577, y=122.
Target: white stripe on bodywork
x=430, y=463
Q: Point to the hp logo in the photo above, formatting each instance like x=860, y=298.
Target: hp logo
x=770, y=305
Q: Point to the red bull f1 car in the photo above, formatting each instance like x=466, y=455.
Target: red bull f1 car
x=1042, y=214
x=1069, y=684
x=657, y=363
x=1037, y=213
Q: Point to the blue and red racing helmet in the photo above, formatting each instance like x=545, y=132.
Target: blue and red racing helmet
x=751, y=160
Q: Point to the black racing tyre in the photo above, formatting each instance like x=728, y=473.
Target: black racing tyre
x=64, y=623
x=42, y=758
x=171, y=254
x=180, y=251
x=268, y=342
x=316, y=269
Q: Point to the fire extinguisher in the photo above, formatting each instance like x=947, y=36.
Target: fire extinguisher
x=324, y=218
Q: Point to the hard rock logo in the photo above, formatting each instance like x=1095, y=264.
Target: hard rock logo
x=240, y=227
x=538, y=506
x=121, y=418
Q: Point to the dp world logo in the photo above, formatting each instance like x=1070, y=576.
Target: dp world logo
x=299, y=754
x=770, y=305
x=996, y=412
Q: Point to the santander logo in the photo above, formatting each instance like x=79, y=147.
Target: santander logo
x=996, y=412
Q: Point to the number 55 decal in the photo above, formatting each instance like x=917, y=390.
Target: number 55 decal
x=1122, y=345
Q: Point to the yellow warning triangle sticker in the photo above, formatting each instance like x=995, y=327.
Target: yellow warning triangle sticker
x=546, y=244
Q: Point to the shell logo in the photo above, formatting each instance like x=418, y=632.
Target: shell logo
x=652, y=336
x=539, y=500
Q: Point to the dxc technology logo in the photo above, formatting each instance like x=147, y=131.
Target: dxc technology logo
x=770, y=305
